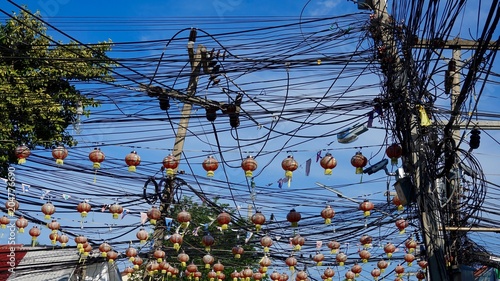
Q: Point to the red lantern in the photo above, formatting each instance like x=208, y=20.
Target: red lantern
x=111, y=256
x=159, y=255
x=318, y=258
x=210, y=165
x=96, y=156
x=142, y=235
x=34, y=233
x=284, y=277
x=131, y=253
x=21, y=223
x=4, y=221
x=356, y=269
x=275, y=276
x=328, y=213
x=411, y=245
x=192, y=268
x=301, y=276
x=266, y=242
x=60, y=153
x=258, y=219
x=170, y=163
x=257, y=276
x=63, y=239
x=366, y=206
x=184, y=218
x=249, y=165
x=291, y=262
x=394, y=152
x=329, y=273
x=104, y=248
x=389, y=249
x=401, y=224
x=328, y=162
x=422, y=264
x=420, y=275
x=116, y=210
x=341, y=258
x=87, y=250
x=53, y=237
x=137, y=262
x=364, y=255
x=183, y=258
x=293, y=217
x=128, y=271
x=223, y=219
x=80, y=240
x=396, y=201
x=132, y=160
x=366, y=241
x=382, y=264
x=153, y=214
x=349, y=275
x=265, y=262
x=409, y=258
x=54, y=226
x=359, y=161
x=289, y=165
x=237, y=251
x=208, y=241
x=176, y=239
x=83, y=208
x=334, y=246
x=399, y=270
x=297, y=242
x=218, y=267
x=211, y=275
x=48, y=210
x=12, y=206
x=22, y=152
x=208, y=260
x=375, y=273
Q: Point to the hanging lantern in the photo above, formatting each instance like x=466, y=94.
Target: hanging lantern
x=364, y=255
x=258, y=219
x=318, y=258
x=212, y=275
x=131, y=253
x=153, y=214
x=152, y=267
x=366, y=241
x=164, y=266
x=328, y=162
x=291, y=262
x=48, y=210
x=356, y=269
x=359, y=161
x=249, y=165
x=22, y=152
x=96, y=156
x=12, y=206
x=297, y=242
x=399, y=270
x=210, y=165
x=183, y=258
x=411, y=245
x=34, y=233
x=389, y=249
x=21, y=223
x=289, y=165
x=293, y=217
x=170, y=163
x=63, y=239
x=4, y=221
x=328, y=213
x=257, y=276
x=128, y=271
x=208, y=260
x=87, y=250
x=218, y=267
x=349, y=276
x=184, y=218
x=223, y=219
x=237, y=251
x=83, y=208
x=132, y=160
x=59, y=153
x=54, y=226
x=137, y=262
x=265, y=262
x=284, y=277
x=366, y=206
x=266, y=242
x=53, y=237
x=375, y=273
x=329, y=273
x=208, y=241
x=420, y=275
x=341, y=258
x=80, y=240
x=409, y=258
x=112, y=256
x=396, y=201
x=247, y=273
x=301, y=276
x=142, y=235
x=104, y=248
x=275, y=276
x=176, y=239
x=382, y=265
x=401, y=224
x=192, y=268
x=236, y=275
x=334, y=246
x=394, y=152
x=116, y=210
x=197, y=276
x=159, y=255
x=422, y=264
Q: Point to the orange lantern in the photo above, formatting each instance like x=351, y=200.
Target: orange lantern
x=265, y=262
x=422, y=264
x=137, y=262
x=176, y=239
x=184, y=218
x=54, y=226
x=153, y=214
x=21, y=223
x=275, y=276
x=183, y=258
x=97, y=157
x=359, y=161
x=328, y=162
x=159, y=255
x=329, y=273
x=170, y=163
x=48, y=209
x=53, y=237
x=104, y=248
x=389, y=249
x=142, y=235
x=12, y=206
x=366, y=206
x=293, y=217
x=112, y=256
x=63, y=239
x=131, y=253
x=207, y=241
x=341, y=258
x=266, y=242
x=291, y=262
x=257, y=276
x=399, y=270
x=223, y=219
x=334, y=246
x=128, y=271
x=364, y=255
x=284, y=277
x=237, y=251
x=80, y=240
x=328, y=213
x=356, y=269
x=318, y=258
x=4, y=221
x=289, y=165
x=401, y=224
x=394, y=152
x=59, y=153
x=191, y=268
x=132, y=160
x=297, y=242
x=208, y=260
x=87, y=250
x=83, y=208
x=258, y=219
x=197, y=276
x=375, y=273
x=411, y=245
x=366, y=241
x=382, y=265
x=249, y=165
x=211, y=275
x=210, y=165
x=301, y=276
x=349, y=275
x=409, y=258
x=34, y=233
x=396, y=201
x=22, y=152
x=116, y=210
x=236, y=275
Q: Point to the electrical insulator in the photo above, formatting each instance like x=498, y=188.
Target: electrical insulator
x=164, y=103
x=474, y=139
x=211, y=113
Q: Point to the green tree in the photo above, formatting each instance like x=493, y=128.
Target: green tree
x=39, y=100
